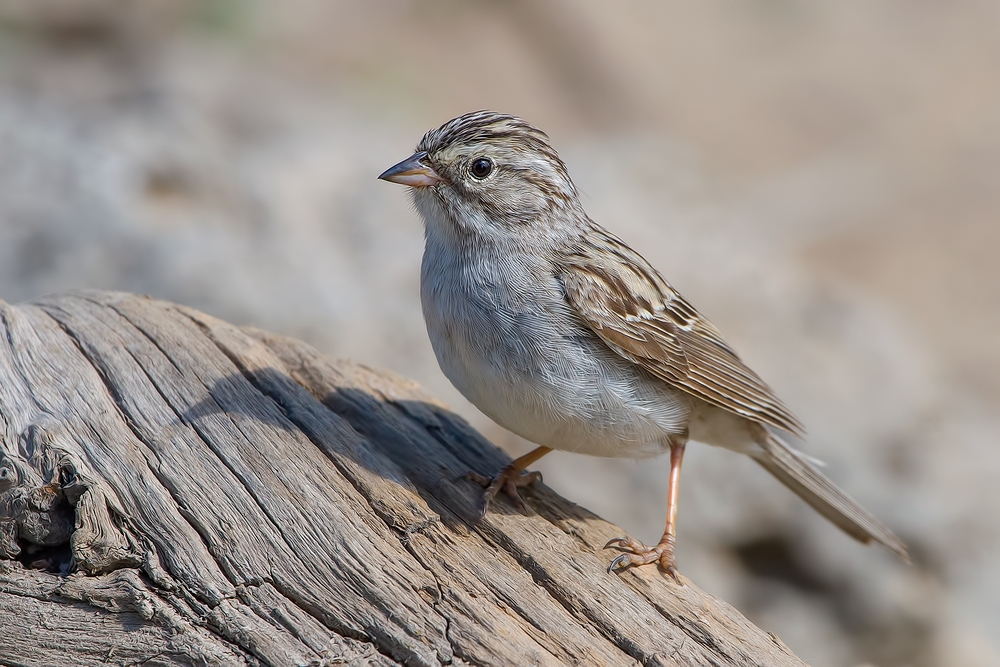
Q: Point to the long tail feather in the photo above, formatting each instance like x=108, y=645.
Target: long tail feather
x=795, y=472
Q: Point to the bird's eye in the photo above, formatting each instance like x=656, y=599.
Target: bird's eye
x=481, y=167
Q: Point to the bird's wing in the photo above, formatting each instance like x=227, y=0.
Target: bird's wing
x=642, y=318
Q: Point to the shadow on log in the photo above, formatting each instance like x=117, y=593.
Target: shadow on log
x=175, y=490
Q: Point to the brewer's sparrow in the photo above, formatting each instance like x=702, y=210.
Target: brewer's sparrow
x=566, y=336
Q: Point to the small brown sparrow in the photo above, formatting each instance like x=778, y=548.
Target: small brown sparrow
x=566, y=336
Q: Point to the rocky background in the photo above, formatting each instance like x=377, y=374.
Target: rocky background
x=821, y=179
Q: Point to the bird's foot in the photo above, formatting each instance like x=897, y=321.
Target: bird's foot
x=637, y=553
x=508, y=479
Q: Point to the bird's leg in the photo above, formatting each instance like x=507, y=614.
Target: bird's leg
x=509, y=478
x=637, y=552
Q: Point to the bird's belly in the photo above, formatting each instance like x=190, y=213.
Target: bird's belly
x=567, y=396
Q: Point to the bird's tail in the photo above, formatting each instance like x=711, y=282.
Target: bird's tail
x=794, y=471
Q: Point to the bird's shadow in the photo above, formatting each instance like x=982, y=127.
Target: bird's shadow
x=420, y=444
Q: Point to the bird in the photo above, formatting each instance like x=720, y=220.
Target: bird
x=561, y=333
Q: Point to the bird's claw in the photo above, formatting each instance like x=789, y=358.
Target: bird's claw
x=619, y=559
x=474, y=476
x=617, y=542
x=508, y=479
x=637, y=553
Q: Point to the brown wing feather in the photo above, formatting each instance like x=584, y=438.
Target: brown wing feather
x=629, y=305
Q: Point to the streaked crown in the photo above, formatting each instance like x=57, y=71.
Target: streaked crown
x=490, y=127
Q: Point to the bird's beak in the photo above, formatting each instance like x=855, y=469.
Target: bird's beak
x=413, y=172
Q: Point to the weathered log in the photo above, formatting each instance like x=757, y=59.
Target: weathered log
x=176, y=490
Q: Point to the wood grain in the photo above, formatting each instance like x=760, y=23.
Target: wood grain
x=176, y=490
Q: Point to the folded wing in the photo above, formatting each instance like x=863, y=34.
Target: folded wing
x=642, y=318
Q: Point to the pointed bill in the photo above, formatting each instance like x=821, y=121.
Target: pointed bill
x=413, y=172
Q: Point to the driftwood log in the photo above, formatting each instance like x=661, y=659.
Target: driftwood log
x=176, y=490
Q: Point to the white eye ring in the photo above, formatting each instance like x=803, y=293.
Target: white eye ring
x=481, y=167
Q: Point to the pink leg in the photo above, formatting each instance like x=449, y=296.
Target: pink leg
x=637, y=552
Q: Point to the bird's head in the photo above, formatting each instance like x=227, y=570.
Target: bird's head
x=486, y=173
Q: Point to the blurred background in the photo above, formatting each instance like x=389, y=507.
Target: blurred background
x=822, y=180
